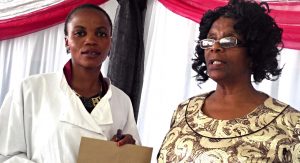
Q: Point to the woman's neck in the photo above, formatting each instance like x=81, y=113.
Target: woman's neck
x=232, y=102
x=86, y=83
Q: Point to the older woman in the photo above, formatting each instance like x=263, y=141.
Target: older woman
x=235, y=123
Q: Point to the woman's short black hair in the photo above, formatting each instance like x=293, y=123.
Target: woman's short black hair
x=259, y=31
x=85, y=6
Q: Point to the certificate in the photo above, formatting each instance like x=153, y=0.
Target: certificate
x=98, y=151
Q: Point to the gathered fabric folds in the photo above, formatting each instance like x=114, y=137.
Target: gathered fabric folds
x=285, y=13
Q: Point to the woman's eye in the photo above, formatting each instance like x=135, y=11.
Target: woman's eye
x=102, y=34
x=79, y=33
x=212, y=38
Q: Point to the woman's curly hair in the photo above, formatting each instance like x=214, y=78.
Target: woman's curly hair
x=259, y=31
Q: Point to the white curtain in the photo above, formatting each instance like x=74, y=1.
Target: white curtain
x=13, y=8
x=40, y=52
x=168, y=79
x=35, y=53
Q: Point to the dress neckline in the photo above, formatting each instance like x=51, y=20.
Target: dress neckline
x=210, y=127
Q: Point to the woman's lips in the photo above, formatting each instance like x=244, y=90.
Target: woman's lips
x=216, y=64
x=91, y=53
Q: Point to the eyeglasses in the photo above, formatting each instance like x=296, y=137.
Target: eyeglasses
x=226, y=42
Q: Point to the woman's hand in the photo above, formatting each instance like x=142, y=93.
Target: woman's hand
x=122, y=139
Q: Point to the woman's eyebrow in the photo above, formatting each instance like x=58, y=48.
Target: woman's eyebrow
x=210, y=35
x=79, y=27
x=227, y=34
x=102, y=28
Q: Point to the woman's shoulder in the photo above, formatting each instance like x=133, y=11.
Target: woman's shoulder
x=194, y=102
x=275, y=103
x=117, y=93
x=292, y=115
x=195, y=99
x=41, y=77
x=287, y=113
x=37, y=80
x=117, y=90
x=33, y=83
x=292, y=110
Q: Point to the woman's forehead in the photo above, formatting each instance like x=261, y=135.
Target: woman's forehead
x=88, y=12
x=223, y=25
x=89, y=17
x=223, y=22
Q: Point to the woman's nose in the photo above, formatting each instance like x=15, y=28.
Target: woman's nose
x=216, y=47
x=91, y=39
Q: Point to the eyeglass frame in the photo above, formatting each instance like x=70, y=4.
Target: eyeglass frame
x=238, y=43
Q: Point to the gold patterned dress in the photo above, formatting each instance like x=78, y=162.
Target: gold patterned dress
x=270, y=133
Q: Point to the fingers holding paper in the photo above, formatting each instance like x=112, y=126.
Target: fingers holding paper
x=123, y=139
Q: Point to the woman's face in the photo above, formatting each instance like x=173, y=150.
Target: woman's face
x=226, y=64
x=88, y=38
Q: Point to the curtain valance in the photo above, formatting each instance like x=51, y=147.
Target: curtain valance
x=36, y=20
x=286, y=14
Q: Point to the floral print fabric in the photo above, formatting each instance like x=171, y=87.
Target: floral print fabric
x=270, y=133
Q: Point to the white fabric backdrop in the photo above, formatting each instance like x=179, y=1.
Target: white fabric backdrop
x=13, y=8
x=35, y=53
x=168, y=79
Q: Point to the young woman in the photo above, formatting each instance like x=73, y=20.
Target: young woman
x=45, y=118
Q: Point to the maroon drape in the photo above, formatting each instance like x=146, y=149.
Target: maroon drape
x=285, y=13
x=40, y=19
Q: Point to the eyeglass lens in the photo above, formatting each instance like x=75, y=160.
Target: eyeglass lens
x=226, y=42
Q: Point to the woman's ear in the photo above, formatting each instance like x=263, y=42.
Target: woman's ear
x=66, y=41
x=67, y=44
x=110, y=46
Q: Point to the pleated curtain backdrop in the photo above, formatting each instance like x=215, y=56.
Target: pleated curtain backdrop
x=285, y=12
